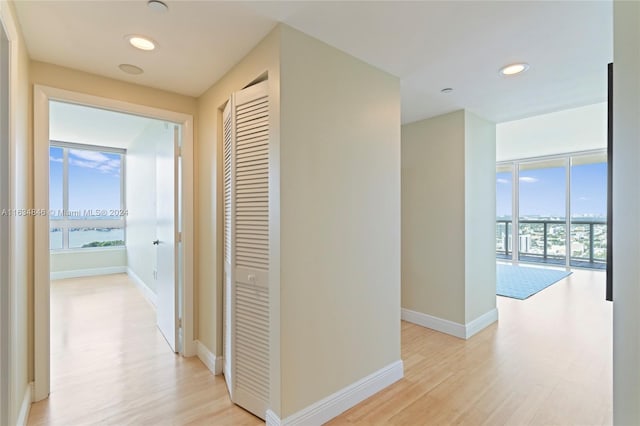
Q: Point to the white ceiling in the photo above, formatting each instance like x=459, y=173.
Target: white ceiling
x=94, y=126
x=429, y=45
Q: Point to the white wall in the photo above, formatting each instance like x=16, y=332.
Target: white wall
x=78, y=263
x=339, y=220
x=626, y=211
x=448, y=221
x=480, y=216
x=577, y=129
x=141, y=200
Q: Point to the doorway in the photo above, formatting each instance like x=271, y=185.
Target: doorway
x=179, y=126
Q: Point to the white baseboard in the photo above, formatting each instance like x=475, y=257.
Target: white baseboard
x=213, y=363
x=25, y=407
x=434, y=323
x=146, y=291
x=339, y=402
x=480, y=323
x=76, y=273
x=463, y=331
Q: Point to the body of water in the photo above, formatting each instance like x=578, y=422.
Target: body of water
x=80, y=237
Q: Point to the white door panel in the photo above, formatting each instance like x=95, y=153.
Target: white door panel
x=166, y=237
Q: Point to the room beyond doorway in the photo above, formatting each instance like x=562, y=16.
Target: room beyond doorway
x=184, y=234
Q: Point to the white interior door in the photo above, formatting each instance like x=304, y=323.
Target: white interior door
x=167, y=236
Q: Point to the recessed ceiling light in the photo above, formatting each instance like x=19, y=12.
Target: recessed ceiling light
x=514, y=68
x=140, y=42
x=447, y=90
x=157, y=5
x=130, y=69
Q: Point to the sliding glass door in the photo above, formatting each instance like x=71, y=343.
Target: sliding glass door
x=589, y=211
x=504, y=211
x=542, y=211
x=553, y=210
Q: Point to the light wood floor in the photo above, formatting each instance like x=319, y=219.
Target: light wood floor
x=547, y=362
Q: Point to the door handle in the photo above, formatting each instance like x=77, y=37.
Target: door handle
x=156, y=242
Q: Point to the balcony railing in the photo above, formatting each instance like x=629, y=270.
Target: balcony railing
x=544, y=241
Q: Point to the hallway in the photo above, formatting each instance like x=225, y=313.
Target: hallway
x=111, y=365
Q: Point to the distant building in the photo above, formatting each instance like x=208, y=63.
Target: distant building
x=525, y=243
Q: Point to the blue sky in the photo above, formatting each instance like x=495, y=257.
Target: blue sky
x=94, y=180
x=542, y=191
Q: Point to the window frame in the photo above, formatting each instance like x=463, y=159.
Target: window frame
x=65, y=223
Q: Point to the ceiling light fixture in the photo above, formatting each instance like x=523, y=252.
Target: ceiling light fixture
x=130, y=69
x=157, y=5
x=514, y=69
x=140, y=42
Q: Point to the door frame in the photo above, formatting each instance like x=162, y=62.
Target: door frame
x=41, y=97
x=6, y=226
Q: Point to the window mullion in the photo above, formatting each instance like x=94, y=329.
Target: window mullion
x=65, y=195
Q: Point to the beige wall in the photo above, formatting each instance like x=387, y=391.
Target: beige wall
x=21, y=263
x=78, y=81
x=332, y=247
x=263, y=58
x=448, y=217
x=626, y=210
x=77, y=260
x=340, y=220
x=480, y=216
x=571, y=130
x=433, y=215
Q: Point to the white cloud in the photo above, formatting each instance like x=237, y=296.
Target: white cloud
x=83, y=164
x=584, y=198
x=55, y=160
x=528, y=179
x=94, y=160
x=94, y=156
x=500, y=180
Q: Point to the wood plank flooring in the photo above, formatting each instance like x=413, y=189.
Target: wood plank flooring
x=111, y=366
x=547, y=362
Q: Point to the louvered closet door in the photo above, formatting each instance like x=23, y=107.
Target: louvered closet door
x=249, y=231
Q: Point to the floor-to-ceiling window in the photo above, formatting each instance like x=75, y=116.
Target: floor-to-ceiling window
x=86, y=197
x=553, y=210
x=542, y=211
x=589, y=210
x=504, y=211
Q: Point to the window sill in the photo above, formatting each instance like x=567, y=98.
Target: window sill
x=87, y=250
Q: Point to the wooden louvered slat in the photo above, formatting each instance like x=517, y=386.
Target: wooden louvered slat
x=251, y=137
x=252, y=340
x=248, y=107
x=227, y=184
